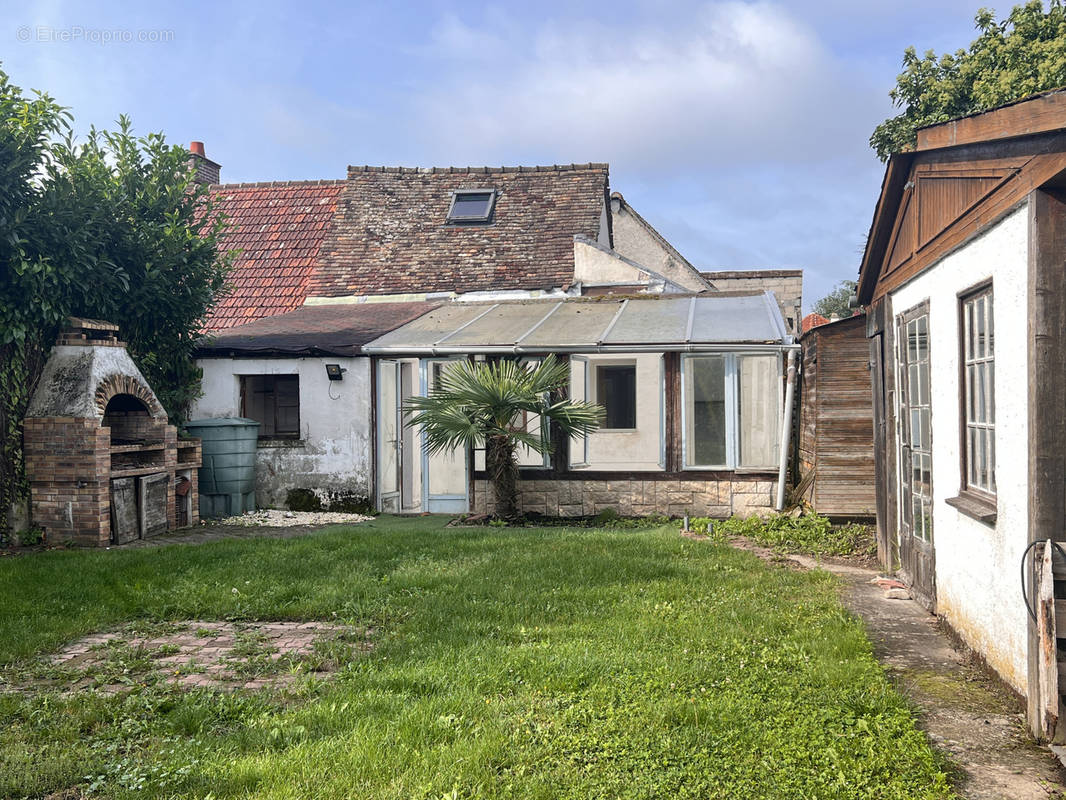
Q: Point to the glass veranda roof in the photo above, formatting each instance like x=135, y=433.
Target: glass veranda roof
x=585, y=325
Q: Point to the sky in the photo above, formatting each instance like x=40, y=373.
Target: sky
x=738, y=129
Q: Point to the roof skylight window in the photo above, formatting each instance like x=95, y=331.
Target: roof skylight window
x=472, y=205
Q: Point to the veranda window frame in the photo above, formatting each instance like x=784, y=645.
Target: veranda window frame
x=732, y=401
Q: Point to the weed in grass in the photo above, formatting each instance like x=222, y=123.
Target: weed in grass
x=808, y=533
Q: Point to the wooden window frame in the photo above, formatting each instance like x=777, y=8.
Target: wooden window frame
x=975, y=501
x=273, y=437
x=903, y=421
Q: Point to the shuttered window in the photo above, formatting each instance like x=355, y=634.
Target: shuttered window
x=274, y=402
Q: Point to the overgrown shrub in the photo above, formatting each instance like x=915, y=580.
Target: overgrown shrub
x=111, y=227
x=810, y=533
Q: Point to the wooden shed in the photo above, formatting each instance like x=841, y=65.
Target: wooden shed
x=836, y=447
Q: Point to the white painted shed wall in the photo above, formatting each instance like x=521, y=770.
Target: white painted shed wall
x=333, y=453
x=977, y=565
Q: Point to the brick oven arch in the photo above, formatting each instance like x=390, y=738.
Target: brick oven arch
x=117, y=384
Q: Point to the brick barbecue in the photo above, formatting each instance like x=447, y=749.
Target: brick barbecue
x=104, y=466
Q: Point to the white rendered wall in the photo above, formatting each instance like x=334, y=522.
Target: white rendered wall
x=632, y=239
x=639, y=449
x=594, y=265
x=333, y=453
x=977, y=579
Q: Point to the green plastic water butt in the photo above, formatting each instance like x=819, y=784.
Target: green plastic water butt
x=227, y=474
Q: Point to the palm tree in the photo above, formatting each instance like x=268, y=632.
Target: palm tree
x=479, y=404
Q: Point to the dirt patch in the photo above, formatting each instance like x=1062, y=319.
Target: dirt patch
x=199, y=654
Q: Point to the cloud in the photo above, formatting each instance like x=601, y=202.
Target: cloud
x=732, y=82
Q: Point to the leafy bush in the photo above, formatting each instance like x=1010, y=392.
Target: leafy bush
x=111, y=227
x=810, y=533
x=30, y=537
x=1011, y=58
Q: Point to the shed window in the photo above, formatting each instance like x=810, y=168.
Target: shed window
x=472, y=205
x=274, y=402
x=616, y=391
x=978, y=357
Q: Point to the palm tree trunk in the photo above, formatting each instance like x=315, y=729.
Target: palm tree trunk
x=503, y=473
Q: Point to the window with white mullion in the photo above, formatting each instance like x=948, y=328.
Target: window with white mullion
x=979, y=387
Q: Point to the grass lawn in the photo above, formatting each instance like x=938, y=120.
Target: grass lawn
x=506, y=663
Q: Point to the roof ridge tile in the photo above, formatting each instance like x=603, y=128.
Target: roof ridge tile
x=485, y=170
x=279, y=184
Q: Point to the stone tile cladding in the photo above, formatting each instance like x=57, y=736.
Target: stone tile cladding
x=635, y=497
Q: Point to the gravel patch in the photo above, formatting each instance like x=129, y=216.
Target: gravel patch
x=198, y=654
x=275, y=518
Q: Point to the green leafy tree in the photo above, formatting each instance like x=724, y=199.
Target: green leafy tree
x=837, y=301
x=1010, y=59
x=482, y=404
x=113, y=228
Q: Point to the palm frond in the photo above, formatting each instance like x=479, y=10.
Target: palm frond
x=474, y=401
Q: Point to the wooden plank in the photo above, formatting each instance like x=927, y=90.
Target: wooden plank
x=1047, y=387
x=124, y=523
x=152, y=499
x=1024, y=118
x=1058, y=564
x=1060, y=610
x=987, y=212
x=672, y=417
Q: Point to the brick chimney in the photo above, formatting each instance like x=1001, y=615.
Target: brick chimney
x=206, y=170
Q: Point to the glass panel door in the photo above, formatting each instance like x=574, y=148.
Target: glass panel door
x=388, y=435
x=915, y=450
x=445, y=474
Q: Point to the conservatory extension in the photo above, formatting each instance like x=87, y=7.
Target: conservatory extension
x=692, y=387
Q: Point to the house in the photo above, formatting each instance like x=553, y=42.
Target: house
x=692, y=387
x=966, y=321
x=836, y=443
x=385, y=276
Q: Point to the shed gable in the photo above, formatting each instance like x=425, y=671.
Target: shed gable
x=963, y=177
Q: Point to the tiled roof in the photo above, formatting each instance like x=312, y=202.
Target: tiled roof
x=390, y=234
x=340, y=329
x=279, y=228
x=812, y=321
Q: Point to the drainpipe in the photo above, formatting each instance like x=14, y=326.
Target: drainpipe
x=786, y=430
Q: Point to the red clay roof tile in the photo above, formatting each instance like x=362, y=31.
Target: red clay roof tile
x=276, y=266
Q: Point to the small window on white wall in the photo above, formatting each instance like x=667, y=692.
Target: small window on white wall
x=274, y=402
x=616, y=391
x=979, y=364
